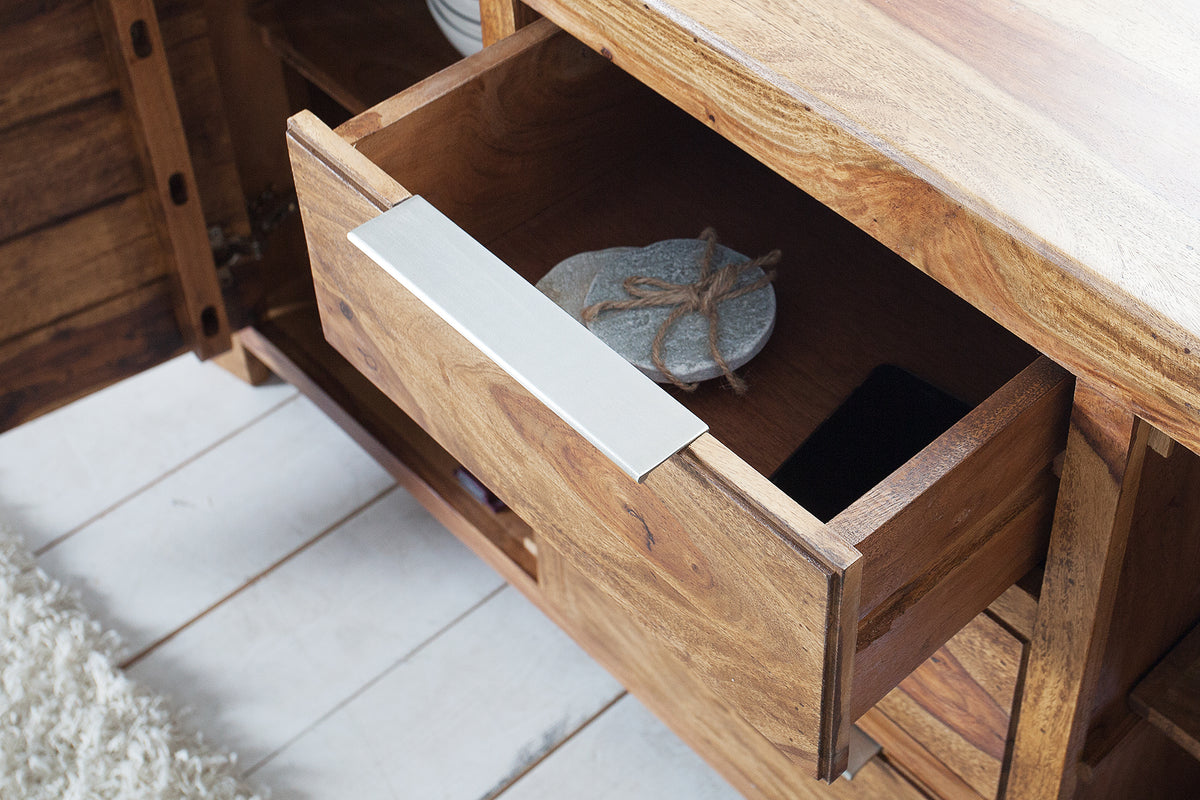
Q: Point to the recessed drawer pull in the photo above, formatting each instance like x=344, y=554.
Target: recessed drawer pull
x=623, y=413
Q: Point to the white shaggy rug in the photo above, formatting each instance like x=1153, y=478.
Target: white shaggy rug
x=72, y=726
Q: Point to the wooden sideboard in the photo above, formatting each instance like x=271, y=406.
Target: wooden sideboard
x=997, y=198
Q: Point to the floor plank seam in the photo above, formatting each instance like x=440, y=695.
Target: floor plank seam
x=146, y=651
x=262, y=762
x=40, y=551
x=513, y=780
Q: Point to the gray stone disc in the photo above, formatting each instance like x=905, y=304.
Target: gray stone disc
x=568, y=282
x=745, y=323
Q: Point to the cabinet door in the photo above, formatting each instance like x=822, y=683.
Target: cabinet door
x=105, y=264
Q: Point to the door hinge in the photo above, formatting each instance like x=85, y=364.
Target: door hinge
x=266, y=212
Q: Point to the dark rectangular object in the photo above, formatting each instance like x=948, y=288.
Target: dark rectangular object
x=882, y=424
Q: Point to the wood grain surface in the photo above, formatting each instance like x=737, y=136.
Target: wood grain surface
x=1170, y=695
x=667, y=686
x=1016, y=610
x=51, y=366
x=85, y=260
x=66, y=163
x=149, y=94
x=48, y=57
x=1147, y=765
x=913, y=760
x=497, y=138
x=502, y=18
x=684, y=552
x=947, y=724
x=1064, y=208
x=1158, y=594
x=959, y=702
x=188, y=41
x=950, y=530
x=1106, y=449
x=84, y=235
x=540, y=105
x=359, y=53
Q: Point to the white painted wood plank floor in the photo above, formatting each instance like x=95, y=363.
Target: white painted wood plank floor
x=270, y=577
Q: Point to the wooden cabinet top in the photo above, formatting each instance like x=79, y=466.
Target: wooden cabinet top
x=1041, y=159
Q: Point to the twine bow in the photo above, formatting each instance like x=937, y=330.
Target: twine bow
x=703, y=296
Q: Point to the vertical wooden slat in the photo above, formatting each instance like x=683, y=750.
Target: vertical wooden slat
x=1106, y=447
x=135, y=44
x=503, y=18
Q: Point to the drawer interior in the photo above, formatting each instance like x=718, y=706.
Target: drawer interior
x=581, y=157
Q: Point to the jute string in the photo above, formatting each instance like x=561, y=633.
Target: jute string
x=704, y=296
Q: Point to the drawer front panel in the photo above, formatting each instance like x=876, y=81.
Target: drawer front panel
x=670, y=690
x=751, y=592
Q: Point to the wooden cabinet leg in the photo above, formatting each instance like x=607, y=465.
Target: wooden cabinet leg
x=241, y=362
x=1105, y=451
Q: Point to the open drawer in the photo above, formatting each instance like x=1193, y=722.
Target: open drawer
x=539, y=149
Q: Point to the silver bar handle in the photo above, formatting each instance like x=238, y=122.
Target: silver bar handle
x=628, y=417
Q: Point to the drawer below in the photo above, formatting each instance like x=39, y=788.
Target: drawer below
x=539, y=148
x=948, y=723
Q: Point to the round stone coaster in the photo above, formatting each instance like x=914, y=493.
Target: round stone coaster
x=744, y=323
x=568, y=282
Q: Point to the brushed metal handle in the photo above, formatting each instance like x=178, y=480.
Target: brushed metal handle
x=605, y=399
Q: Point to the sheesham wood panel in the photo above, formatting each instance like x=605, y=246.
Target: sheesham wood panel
x=57, y=271
x=53, y=365
x=66, y=163
x=1106, y=449
x=81, y=239
x=48, y=57
x=194, y=79
x=723, y=595
x=80, y=248
x=994, y=182
x=501, y=18
x=1146, y=765
x=138, y=52
x=956, y=707
x=914, y=760
x=691, y=709
x=1169, y=697
x=507, y=121
x=982, y=494
x=1158, y=595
